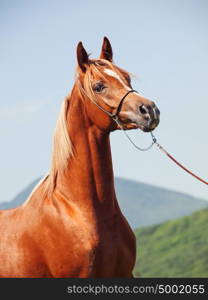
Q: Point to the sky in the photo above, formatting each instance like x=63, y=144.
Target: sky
x=163, y=42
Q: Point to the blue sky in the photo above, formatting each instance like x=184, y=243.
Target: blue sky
x=164, y=43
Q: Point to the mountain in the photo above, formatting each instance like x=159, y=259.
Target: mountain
x=142, y=204
x=145, y=204
x=177, y=248
x=20, y=197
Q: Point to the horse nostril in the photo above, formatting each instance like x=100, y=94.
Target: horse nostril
x=143, y=109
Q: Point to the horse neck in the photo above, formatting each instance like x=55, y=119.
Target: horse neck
x=88, y=178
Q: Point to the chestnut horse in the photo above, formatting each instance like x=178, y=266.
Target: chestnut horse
x=71, y=224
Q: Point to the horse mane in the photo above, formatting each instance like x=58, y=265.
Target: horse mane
x=62, y=146
x=61, y=151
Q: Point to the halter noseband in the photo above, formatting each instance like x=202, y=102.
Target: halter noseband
x=115, y=115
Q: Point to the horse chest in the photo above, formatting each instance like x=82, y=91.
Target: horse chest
x=114, y=254
x=101, y=248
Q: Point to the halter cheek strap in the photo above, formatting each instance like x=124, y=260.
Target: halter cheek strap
x=118, y=109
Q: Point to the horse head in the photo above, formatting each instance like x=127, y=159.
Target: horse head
x=107, y=92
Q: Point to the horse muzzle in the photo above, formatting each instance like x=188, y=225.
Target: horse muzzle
x=145, y=117
x=149, y=117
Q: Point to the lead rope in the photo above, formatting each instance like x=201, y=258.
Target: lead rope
x=154, y=141
x=128, y=137
x=176, y=162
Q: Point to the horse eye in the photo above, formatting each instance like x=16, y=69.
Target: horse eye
x=99, y=87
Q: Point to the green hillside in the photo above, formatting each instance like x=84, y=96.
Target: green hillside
x=177, y=248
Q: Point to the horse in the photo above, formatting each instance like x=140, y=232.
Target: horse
x=71, y=224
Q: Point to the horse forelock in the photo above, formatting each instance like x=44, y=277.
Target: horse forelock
x=96, y=70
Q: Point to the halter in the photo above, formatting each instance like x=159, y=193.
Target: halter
x=115, y=117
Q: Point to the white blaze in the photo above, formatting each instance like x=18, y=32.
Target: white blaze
x=115, y=75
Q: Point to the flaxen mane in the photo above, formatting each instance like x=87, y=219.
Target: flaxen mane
x=62, y=146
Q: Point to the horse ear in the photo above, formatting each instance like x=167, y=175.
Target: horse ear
x=82, y=57
x=106, y=52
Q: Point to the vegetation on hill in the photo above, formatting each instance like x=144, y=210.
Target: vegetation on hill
x=177, y=248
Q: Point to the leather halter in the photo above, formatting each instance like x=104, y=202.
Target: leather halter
x=115, y=115
x=118, y=109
